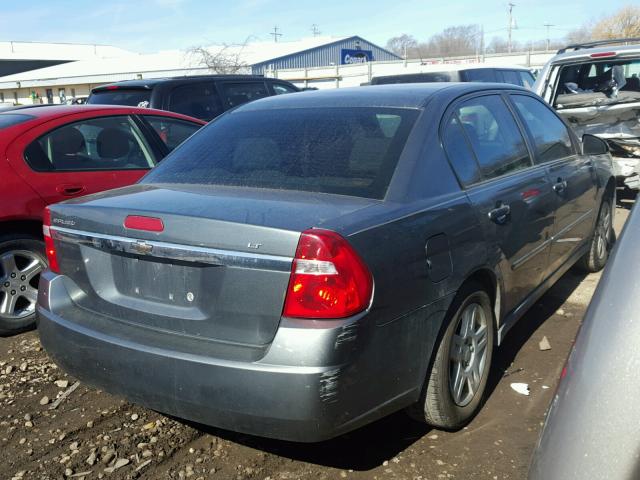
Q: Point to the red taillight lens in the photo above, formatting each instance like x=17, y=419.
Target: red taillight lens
x=49, y=246
x=328, y=278
x=149, y=224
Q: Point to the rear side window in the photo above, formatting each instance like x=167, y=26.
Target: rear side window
x=10, y=119
x=494, y=136
x=239, y=93
x=172, y=131
x=459, y=153
x=132, y=98
x=510, y=76
x=526, y=79
x=550, y=135
x=108, y=143
x=416, y=78
x=282, y=88
x=480, y=75
x=198, y=100
x=348, y=151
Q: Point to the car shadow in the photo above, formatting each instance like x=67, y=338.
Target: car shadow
x=361, y=450
x=524, y=328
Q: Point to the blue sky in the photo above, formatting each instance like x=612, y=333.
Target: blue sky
x=152, y=25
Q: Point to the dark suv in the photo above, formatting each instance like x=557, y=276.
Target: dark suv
x=203, y=96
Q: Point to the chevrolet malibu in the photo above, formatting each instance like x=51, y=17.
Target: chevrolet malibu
x=306, y=264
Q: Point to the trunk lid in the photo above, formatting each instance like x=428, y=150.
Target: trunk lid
x=218, y=270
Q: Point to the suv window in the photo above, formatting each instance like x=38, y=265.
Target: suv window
x=480, y=75
x=108, y=143
x=526, y=78
x=239, y=93
x=347, y=151
x=281, y=88
x=494, y=135
x=199, y=100
x=171, y=130
x=510, y=76
x=550, y=135
x=459, y=153
x=132, y=98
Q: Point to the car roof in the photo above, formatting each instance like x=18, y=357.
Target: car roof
x=51, y=111
x=149, y=83
x=587, y=52
x=405, y=95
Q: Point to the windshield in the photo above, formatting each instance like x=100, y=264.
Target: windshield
x=131, y=98
x=348, y=151
x=598, y=83
x=11, y=119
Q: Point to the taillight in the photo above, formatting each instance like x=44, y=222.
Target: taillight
x=328, y=278
x=49, y=246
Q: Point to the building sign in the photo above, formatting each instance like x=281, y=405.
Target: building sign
x=349, y=56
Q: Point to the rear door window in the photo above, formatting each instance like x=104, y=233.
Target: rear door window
x=480, y=75
x=108, y=143
x=132, y=98
x=172, y=131
x=347, y=151
x=550, y=135
x=494, y=135
x=243, y=92
x=198, y=100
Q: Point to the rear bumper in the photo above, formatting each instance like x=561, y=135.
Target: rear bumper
x=313, y=383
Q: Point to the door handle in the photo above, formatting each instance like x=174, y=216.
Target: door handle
x=500, y=214
x=69, y=190
x=560, y=186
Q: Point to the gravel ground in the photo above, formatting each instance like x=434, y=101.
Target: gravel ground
x=51, y=427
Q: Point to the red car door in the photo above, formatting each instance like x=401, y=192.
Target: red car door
x=81, y=154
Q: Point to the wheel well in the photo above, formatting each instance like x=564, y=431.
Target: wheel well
x=489, y=281
x=30, y=227
x=610, y=189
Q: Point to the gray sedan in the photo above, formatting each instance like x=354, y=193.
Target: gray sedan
x=306, y=264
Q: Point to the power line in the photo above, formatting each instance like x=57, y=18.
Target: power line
x=548, y=25
x=275, y=33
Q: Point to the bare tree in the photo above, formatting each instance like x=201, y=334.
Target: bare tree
x=221, y=59
x=403, y=45
x=625, y=23
x=456, y=40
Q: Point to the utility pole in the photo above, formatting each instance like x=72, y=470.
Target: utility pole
x=511, y=5
x=548, y=25
x=315, y=30
x=275, y=34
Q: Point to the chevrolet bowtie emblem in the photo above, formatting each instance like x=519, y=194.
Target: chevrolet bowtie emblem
x=142, y=248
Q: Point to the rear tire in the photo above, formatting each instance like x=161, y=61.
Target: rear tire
x=601, y=241
x=455, y=387
x=22, y=259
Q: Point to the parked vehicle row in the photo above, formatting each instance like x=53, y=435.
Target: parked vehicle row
x=51, y=154
x=362, y=250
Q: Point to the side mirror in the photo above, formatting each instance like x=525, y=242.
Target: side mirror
x=592, y=145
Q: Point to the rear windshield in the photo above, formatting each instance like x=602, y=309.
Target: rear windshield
x=11, y=119
x=131, y=98
x=348, y=151
x=416, y=78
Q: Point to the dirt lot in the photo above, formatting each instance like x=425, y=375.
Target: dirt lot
x=94, y=435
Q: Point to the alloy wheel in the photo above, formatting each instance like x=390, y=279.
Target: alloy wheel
x=468, y=354
x=19, y=275
x=604, y=231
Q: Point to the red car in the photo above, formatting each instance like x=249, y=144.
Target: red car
x=52, y=153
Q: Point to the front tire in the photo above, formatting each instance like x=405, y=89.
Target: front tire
x=455, y=387
x=22, y=259
x=600, y=245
